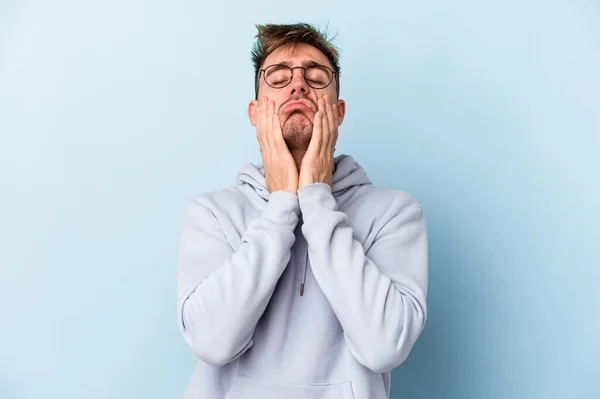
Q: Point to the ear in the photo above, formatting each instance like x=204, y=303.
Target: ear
x=341, y=108
x=252, y=106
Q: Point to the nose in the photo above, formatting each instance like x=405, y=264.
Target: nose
x=298, y=83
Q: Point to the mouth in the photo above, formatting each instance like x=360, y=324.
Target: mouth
x=296, y=106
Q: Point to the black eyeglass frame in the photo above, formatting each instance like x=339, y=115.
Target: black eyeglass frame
x=261, y=72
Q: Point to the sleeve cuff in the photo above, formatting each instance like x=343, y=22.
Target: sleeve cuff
x=315, y=197
x=282, y=208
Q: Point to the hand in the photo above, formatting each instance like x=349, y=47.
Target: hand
x=317, y=164
x=281, y=172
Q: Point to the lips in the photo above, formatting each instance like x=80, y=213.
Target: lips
x=296, y=106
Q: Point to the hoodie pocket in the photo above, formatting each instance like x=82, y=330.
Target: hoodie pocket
x=250, y=388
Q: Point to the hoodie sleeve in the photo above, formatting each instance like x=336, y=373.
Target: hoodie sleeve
x=221, y=292
x=379, y=297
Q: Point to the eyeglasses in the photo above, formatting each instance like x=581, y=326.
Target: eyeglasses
x=279, y=76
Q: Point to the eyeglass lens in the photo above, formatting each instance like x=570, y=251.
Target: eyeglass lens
x=280, y=75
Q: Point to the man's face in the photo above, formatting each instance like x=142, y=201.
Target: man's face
x=296, y=103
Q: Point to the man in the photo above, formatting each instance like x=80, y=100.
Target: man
x=304, y=280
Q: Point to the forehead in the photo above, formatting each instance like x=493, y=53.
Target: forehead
x=297, y=55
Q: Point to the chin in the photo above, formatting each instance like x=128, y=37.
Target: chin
x=297, y=131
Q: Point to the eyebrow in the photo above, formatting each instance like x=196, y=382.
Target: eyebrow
x=305, y=64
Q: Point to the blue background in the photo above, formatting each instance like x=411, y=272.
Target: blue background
x=114, y=113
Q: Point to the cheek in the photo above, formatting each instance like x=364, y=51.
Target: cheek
x=277, y=104
x=332, y=93
x=272, y=94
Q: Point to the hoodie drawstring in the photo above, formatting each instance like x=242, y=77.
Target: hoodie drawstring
x=304, y=278
x=305, y=259
x=347, y=173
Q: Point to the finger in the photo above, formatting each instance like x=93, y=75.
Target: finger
x=260, y=125
x=335, y=124
x=317, y=135
x=261, y=114
x=265, y=128
x=332, y=117
x=326, y=131
x=269, y=123
x=330, y=136
x=338, y=117
x=276, y=133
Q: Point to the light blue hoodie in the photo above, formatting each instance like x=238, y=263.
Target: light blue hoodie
x=310, y=296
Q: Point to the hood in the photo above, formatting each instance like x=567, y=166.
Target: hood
x=348, y=173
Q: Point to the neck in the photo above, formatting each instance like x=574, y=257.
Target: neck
x=298, y=155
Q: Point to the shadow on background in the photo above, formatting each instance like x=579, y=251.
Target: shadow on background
x=453, y=344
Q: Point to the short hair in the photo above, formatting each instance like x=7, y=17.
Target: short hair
x=273, y=36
